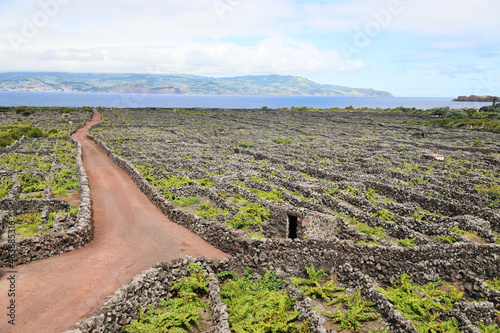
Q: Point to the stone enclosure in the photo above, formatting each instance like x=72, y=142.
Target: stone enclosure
x=365, y=196
x=45, y=206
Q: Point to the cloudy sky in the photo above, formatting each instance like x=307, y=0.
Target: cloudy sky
x=435, y=48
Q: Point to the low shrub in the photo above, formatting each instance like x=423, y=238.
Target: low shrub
x=423, y=305
x=259, y=306
x=407, y=242
x=282, y=141
x=180, y=313
x=245, y=144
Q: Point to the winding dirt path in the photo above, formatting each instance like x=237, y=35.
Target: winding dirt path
x=130, y=235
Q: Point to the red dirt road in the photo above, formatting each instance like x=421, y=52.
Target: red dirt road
x=130, y=235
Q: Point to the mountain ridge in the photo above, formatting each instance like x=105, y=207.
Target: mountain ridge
x=177, y=84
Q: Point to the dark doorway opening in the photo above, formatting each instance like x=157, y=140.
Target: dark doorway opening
x=292, y=226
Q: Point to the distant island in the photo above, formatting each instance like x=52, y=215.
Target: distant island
x=475, y=98
x=177, y=84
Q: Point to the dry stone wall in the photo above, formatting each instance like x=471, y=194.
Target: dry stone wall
x=325, y=200
x=78, y=231
x=483, y=259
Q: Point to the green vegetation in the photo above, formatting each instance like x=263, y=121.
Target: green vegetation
x=169, y=181
x=423, y=305
x=314, y=286
x=64, y=180
x=273, y=195
x=257, y=179
x=9, y=134
x=465, y=233
x=205, y=182
x=31, y=184
x=307, y=176
x=206, y=211
x=493, y=284
x=349, y=190
x=237, y=200
x=27, y=224
x=6, y=184
x=259, y=306
x=352, y=191
x=371, y=195
x=446, y=239
x=186, y=202
x=188, y=84
x=486, y=120
x=407, y=168
x=332, y=191
x=50, y=221
x=16, y=162
x=384, y=215
x=356, y=311
x=493, y=191
x=180, y=313
x=250, y=213
x=488, y=329
x=377, y=231
x=407, y=242
x=282, y=141
x=245, y=144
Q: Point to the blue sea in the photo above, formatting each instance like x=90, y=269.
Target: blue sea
x=15, y=98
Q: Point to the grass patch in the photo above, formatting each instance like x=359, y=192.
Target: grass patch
x=273, y=195
x=407, y=242
x=186, y=202
x=356, y=311
x=385, y=215
x=371, y=195
x=64, y=180
x=259, y=306
x=446, y=239
x=423, y=305
x=493, y=284
x=205, y=182
x=377, y=231
x=31, y=184
x=6, y=184
x=488, y=329
x=250, y=213
x=206, y=211
x=282, y=141
x=468, y=234
x=169, y=181
x=257, y=179
x=27, y=224
x=245, y=144
x=180, y=313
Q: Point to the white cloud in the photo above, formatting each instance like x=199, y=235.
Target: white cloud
x=255, y=37
x=429, y=17
x=460, y=18
x=272, y=55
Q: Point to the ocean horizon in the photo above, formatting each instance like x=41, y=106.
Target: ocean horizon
x=78, y=99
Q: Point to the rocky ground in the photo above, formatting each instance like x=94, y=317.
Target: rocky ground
x=368, y=196
x=40, y=192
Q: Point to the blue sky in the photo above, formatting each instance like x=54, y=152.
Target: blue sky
x=424, y=48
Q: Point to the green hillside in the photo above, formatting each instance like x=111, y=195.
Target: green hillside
x=177, y=84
